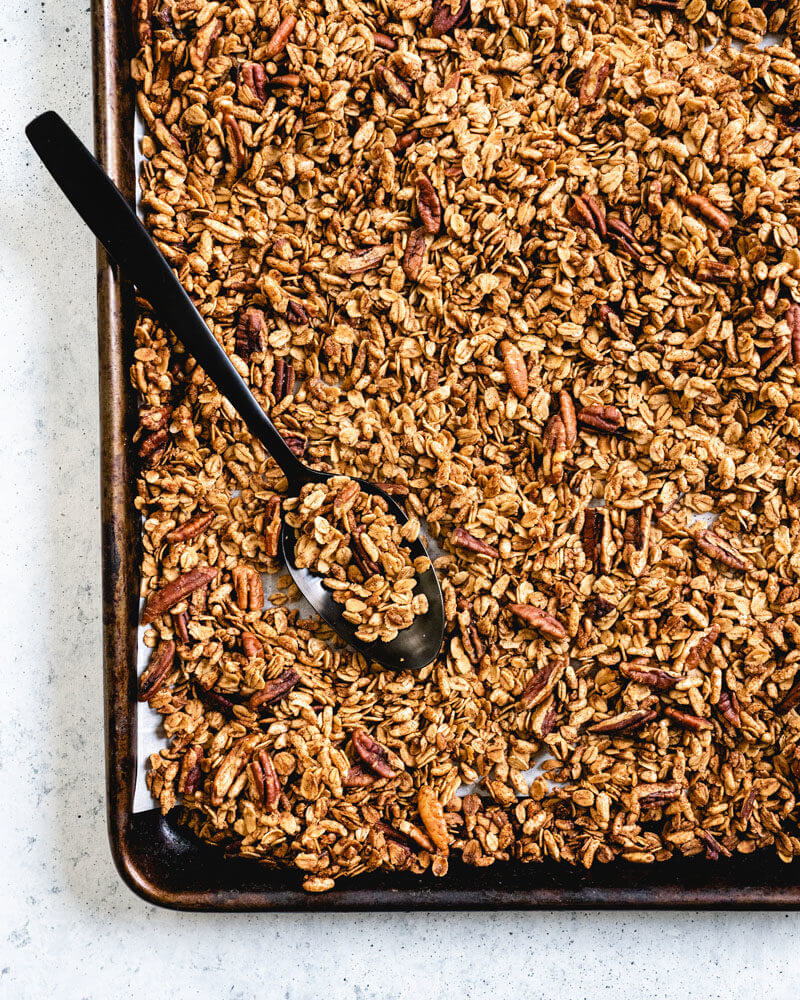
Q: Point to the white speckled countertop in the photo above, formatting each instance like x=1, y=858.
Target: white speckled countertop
x=68, y=926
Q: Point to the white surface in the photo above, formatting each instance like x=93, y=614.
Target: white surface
x=68, y=927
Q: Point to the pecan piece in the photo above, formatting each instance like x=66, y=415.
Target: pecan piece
x=566, y=409
x=714, y=270
x=709, y=211
x=280, y=37
x=640, y=671
x=202, y=43
x=607, y=419
x=266, y=781
x=296, y=312
x=363, y=260
x=716, y=548
x=713, y=847
x=414, y=253
x=373, y=754
x=515, y=368
x=181, y=623
x=655, y=794
x=405, y=141
x=157, y=671
x=638, y=525
x=594, y=76
x=361, y=557
x=555, y=453
x=275, y=689
x=465, y=540
x=687, y=721
x=394, y=85
x=250, y=333
x=428, y=205
x=594, y=527
x=272, y=531
x=345, y=498
x=728, y=707
x=359, y=777
x=624, y=722
x=445, y=19
x=790, y=700
x=166, y=598
x=793, y=321
x=152, y=446
x=249, y=588
x=252, y=646
x=191, y=771
x=599, y=607
x=190, y=529
x=384, y=41
x=701, y=648
x=216, y=701
x=543, y=682
x=622, y=233
x=432, y=815
x=540, y=620
x=155, y=418
x=588, y=211
x=296, y=445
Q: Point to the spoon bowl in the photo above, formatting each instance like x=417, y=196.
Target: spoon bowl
x=414, y=647
x=115, y=224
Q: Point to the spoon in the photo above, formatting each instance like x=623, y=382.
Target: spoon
x=115, y=224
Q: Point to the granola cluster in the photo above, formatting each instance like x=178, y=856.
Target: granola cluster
x=350, y=538
x=533, y=266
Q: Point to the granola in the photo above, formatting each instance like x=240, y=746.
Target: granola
x=535, y=268
x=350, y=538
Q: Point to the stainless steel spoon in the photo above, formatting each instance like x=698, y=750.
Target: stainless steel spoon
x=115, y=224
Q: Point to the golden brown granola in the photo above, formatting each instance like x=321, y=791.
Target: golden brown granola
x=533, y=266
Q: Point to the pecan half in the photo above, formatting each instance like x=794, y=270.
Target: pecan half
x=155, y=418
x=166, y=598
x=464, y=540
x=373, y=754
x=701, y=649
x=152, y=447
x=216, y=701
x=275, y=689
x=252, y=646
x=249, y=588
x=394, y=85
x=716, y=548
x=641, y=671
x=250, y=333
x=428, y=205
x=190, y=529
x=414, y=253
x=566, y=409
x=594, y=526
x=445, y=19
x=191, y=772
x=432, y=815
x=687, y=721
x=793, y=321
x=714, y=270
x=282, y=380
x=280, y=37
x=265, y=779
x=543, y=682
x=555, y=453
x=157, y=670
x=709, y=211
x=728, y=707
x=607, y=419
x=624, y=722
x=234, y=140
x=540, y=620
x=594, y=76
x=638, y=525
x=363, y=260
x=515, y=368
x=588, y=211
x=624, y=236
x=202, y=43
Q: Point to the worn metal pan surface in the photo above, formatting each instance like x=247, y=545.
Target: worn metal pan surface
x=154, y=856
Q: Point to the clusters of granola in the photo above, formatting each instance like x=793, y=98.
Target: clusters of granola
x=533, y=265
x=350, y=538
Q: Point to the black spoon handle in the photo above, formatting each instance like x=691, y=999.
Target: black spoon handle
x=115, y=224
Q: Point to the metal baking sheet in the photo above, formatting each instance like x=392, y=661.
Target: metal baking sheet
x=157, y=859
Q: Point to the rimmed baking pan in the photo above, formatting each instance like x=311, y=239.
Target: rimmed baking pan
x=154, y=856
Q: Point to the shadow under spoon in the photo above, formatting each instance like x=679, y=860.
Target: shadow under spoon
x=115, y=224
